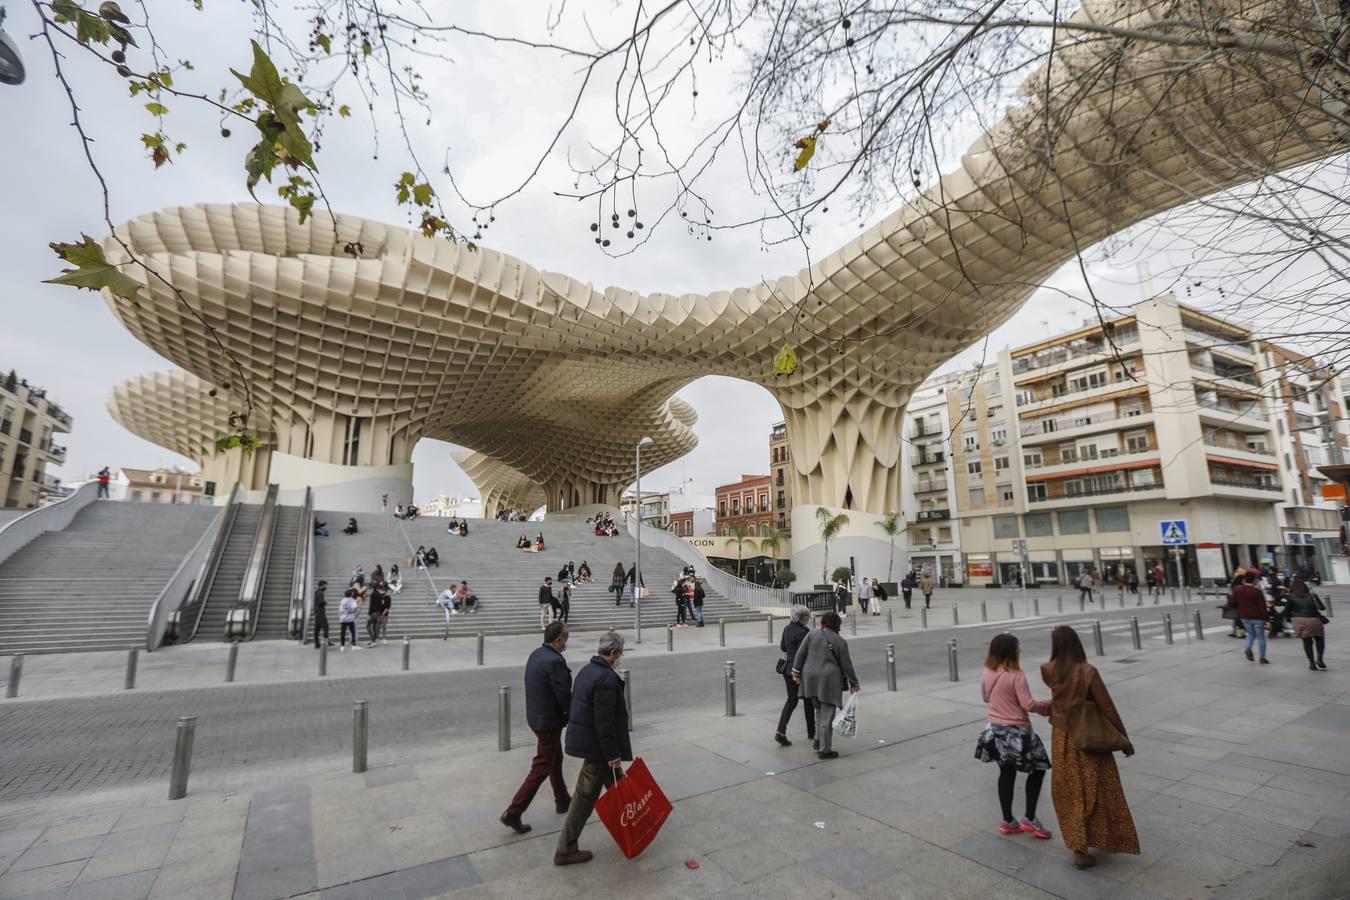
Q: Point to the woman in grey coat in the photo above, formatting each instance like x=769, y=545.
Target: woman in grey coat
x=821, y=667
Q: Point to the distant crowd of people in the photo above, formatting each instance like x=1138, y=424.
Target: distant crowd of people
x=371, y=595
x=603, y=525
x=1264, y=602
x=524, y=543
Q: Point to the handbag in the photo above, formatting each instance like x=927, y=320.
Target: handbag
x=846, y=723
x=634, y=809
x=1090, y=731
x=1228, y=612
x=781, y=668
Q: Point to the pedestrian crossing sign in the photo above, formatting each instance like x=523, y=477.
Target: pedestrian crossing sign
x=1174, y=532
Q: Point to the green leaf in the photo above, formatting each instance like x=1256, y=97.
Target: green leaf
x=807, y=146
x=422, y=194
x=785, y=361
x=403, y=187
x=151, y=141
x=92, y=269
x=325, y=42
x=157, y=109
x=344, y=111
x=285, y=102
x=366, y=49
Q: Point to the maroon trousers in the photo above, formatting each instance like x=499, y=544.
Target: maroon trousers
x=547, y=764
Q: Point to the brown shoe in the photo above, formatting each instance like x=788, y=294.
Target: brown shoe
x=562, y=806
x=1083, y=860
x=514, y=823
x=571, y=859
x=1248, y=652
x=1264, y=661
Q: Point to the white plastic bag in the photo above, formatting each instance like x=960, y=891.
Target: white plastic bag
x=846, y=723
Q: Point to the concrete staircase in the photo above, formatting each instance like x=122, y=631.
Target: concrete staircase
x=505, y=579
x=230, y=573
x=90, y=587
x=276, y=592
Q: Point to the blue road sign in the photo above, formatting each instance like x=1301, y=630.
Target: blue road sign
x=1174, y=532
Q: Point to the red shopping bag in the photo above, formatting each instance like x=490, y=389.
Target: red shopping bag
x=634, y=809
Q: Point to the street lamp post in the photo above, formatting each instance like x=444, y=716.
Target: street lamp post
x=11, y=64
x=637, y=565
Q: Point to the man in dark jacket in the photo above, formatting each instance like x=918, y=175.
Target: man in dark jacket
x=597, y=733
x=793, y=635
x=548, y=700
x=1251, y=609
x=320, y=614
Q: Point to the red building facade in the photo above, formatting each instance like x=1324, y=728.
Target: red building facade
x=745, y=503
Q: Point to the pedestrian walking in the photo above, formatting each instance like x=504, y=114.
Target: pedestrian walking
x=1132, y=582
x=1250, y=604
x=864, y=596
x=1008, y=738
x=698, y=598
x=374, y=611
x=794, y=632
x=878, y=597
x=677, y=591
x=564, y=602
x=320, y=613
x=1305, y=611
x=548, y=701
x=1086, y=790
x=347, y=612
x=926, y=587
x=1085, y=586
x=547, y=603
x=616, y=583
x=907, y=588
x=104, y=476
x=597, y=734
x=822, y=667
x=841, y=597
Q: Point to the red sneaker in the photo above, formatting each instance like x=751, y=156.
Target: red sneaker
x=1009, y=828
x=1034, y=828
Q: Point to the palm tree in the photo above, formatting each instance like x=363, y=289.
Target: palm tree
x=741, y=535
x=830, y=525
x=892, y=524
x=771, y=541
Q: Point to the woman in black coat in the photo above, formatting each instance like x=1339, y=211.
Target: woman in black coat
x=793, y=635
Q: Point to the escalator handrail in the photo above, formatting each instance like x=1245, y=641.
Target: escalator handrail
x=303, y=568
x=259, y=556
x=206, y=577
x=189, y=570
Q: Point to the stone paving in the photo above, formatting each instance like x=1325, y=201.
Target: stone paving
x=1238, y=789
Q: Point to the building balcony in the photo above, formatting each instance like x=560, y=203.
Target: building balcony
x=927, y=486
x=1074, y=461
x=1066, y=355
x=1065, y=429
x=1083, y=395
x=1248, y=488
x=934, y=459
x=1239, y=380
x=25, y=436
x=1235, y=346
x=1245, y=417
x=930, y=515
x=1087, y=496
x=6, y=426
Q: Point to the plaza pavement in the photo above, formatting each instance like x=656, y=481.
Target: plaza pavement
x=1238, y=789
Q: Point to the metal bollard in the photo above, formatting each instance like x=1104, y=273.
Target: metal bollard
x=1061, y=603
x=729, y=676
x=956, y=618
x=923, y=616
x=323, y=658
x=853, y=624
x=768, y=628
x=890, y=622
x=232, y=662
x=952, y=673
x=1082, y=604
x=1012, y=613
x=721, y=632
x=627, y=695
x=670, y=638
x=360, y=723
x=504, y=717
x=984, y=612
x=132, y=656
x=1199, y=629
x=1173, y=595
x=1330, y=614
x=890, y=667
x=1122, y=598
x=182, y=757
x=480, y=648
x=1134, y=633
x=1097, y=637
x=407, y=652
x=1036, y=607
x=1167, y=627
x=15, y=673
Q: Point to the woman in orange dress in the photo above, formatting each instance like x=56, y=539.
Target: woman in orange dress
x=1085, y=787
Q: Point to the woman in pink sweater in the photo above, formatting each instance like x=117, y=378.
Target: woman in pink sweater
x=1008, y=739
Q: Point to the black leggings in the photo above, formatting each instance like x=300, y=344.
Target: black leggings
x=1321, y=643
x=343, y=628
x=1007, y=779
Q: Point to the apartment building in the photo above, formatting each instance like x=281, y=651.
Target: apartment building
x=928, y=501
x=745, y=503
x=1082, y=445
x=780, y=455
x=29, y=424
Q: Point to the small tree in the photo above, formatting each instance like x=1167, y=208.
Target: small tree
x=892, y=524
x=741, y=536
x=841, y=573
x=830, y=525
x=771, y=541
x=783, y=578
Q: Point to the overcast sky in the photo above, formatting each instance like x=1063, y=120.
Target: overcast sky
x=491, y=110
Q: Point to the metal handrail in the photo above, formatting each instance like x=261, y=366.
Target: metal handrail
x=180, y=584
x=298, y=620
x=259, y=555
x=17, y=532
x=206, y=578
x=737, y=590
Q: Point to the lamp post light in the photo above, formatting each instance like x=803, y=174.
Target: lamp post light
x=637, y=532
x=11, y=63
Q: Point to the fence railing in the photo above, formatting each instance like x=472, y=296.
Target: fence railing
x=178, y=590
x=259, y=556
x=16, y=533
x=737, y=590
x=194, y=604
x=297, y=622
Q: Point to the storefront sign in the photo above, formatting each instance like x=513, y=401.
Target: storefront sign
x=1210, y=560
x=981, y=570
